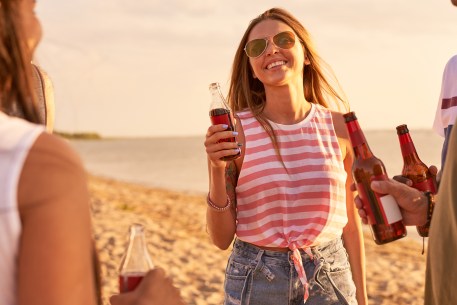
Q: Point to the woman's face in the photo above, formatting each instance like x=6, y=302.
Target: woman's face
x=30, y=23
x=277, y=66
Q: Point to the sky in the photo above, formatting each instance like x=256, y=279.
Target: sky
x=141, y=68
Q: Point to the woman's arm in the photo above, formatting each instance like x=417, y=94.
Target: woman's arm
x=223, y=177
x=55, y=263
x=352, y=232
x=221, y=225
x=353, y=238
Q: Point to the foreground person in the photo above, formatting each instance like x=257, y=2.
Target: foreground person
x=47, y=255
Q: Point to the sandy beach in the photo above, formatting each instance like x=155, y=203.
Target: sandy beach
x=177, y=241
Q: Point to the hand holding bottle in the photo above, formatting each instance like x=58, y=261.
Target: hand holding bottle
x=155, y=289
x=220, y=140
x=136, y=261
x=217, y=149
x=413, y=203
x=415, y=170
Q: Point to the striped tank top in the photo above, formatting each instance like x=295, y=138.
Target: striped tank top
x=301, y=203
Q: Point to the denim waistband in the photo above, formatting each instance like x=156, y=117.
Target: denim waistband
x=249, y=250
x=315, y=257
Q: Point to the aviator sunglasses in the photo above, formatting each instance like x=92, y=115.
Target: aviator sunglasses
x=256, y=47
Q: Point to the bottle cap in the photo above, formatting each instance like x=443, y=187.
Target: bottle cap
x=349, y=117
x=402, y=129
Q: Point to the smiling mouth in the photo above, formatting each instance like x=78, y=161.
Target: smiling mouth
x=275, y=64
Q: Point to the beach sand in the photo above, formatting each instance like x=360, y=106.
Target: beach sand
x=178, y=242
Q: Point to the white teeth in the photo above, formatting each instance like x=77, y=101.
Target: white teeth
x=276, y=63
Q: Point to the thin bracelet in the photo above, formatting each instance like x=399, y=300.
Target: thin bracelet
x=215, y=207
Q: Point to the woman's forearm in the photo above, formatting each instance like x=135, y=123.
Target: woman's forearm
x=353, y=242
x=221, y=223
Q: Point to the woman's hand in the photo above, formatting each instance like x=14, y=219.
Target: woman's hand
x=215, y=148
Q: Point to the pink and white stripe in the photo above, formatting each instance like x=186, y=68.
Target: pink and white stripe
x=302, y=204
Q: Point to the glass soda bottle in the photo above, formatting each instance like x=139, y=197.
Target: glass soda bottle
x=415, y=170
x=136, y=261
x=383, y=213
x=219, y=113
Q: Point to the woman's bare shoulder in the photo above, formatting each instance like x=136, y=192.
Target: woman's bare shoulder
x=51, y=168
x=341, y=133
x=52, y=146
x=339, y=124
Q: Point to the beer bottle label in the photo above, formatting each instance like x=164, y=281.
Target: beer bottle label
x=379, y=209
x=391, y=210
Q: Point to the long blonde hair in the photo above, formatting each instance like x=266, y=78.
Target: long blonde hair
x=247, y=92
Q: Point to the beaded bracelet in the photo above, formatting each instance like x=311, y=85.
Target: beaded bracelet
x=215, y=207
x=431, y=204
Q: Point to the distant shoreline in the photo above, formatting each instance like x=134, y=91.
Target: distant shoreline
x=96, y=135
x=79, y=135
x=180, y=163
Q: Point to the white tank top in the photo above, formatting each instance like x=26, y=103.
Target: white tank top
x=16, y=138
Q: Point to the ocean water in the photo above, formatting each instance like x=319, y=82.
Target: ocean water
x=179, y=163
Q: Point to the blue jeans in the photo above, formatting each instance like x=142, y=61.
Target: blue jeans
x=260, y=277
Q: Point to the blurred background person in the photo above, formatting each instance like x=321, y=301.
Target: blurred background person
x=446, y=112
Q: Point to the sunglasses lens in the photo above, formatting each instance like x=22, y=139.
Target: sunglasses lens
x=284, y=40
x=255, y=47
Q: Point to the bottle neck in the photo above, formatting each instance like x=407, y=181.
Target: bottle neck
x=137, y=248
x=137, y=242
x=136, y=257
x=408, y=150
x=217, y=99
x=358, y=141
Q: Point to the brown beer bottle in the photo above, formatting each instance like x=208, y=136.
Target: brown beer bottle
x=383, y=213
x=415, y=170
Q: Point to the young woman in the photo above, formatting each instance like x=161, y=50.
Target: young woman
x=287, y=198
